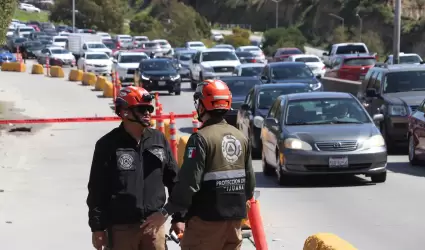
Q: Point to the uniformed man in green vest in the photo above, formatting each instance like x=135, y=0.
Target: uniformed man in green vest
x=216, y=178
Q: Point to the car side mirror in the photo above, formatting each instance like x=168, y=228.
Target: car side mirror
x=114, y=60
x=318, y=76
x=264, y=78
x=371, y=92
x=245, y=107
x=271, y=121
x=378, y=117
x=325, y=53
x=258, y=121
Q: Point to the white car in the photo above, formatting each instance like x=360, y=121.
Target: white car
x=224, y=46
x=197, y=45
x=104, y=35
x=127, y=63
x=24, y=31
x=258, y=52
x=59, y=41
x=95, y=62
x=217, y=37
x=64, y=33
x=96, y=47
x=312, y=61
x=56, y=56
x=10, y=31
x=405, y=58
x=165, y=45
x=28, y=7
x=139, y=40
x=212, y=63
x=249, y=69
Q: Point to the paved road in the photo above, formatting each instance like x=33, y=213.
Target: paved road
x=44, y=178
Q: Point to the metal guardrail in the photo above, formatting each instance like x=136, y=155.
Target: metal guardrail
x=339, y=85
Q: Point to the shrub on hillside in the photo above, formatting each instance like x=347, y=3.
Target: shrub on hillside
x=144, y=24
x=236, y=40
x=8, y=8
x=283, y=38
x=241, y=32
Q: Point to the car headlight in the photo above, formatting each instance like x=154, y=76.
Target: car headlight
x=208, y=69
x=293, y=143
x=173, y=78
x=397, y=110
x=374, y=142
x=316, y=86
x=144, y=77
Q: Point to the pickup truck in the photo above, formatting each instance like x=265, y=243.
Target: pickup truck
x=339, y=49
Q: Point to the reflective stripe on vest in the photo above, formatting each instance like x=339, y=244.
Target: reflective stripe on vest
x=223, y=175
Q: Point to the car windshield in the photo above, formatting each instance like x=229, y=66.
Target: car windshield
x=132, y=58
x=251, y=71
x=252, y=49
x=20, y=40
x=266, y=97
x=140, y=39
x=26, y=29
x=351, y=49
x=96, y=46
x=44, y=37
x=45, y=42
x=196, y=45
x=291, y=52
x=359, y=61
x=97, y=56
x=404, y=81
x=240, y=87
x=307, y=59
x=224, y=46
x=325, y=111
x=151, y=45
x=291, y=72
x=186, y=56
x=163, y=43
x=33, y=44
x=110, y=45
x=244, y=54
x=163, y=65
x=410, y=59
x=59, y=51
x=60, y=40
x=219, y=56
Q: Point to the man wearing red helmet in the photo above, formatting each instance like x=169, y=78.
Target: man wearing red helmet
x=216, y=178
x=131, y=165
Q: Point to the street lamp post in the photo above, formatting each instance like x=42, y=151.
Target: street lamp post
x=73, y=16
x=277, y=12
x=396, y=36
x=337, y=17
x=360, y=26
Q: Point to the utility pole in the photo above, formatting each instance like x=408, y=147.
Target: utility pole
x=277, y=12
x=73, y=16
x=339, y=18
x=396, y=36
x=360, y=26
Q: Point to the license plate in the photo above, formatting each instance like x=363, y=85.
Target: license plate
x=161, y=83
x=338, y=162
x=361, y=77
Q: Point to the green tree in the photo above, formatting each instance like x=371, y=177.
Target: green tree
x=374, y=42
x=144, y=24
x=339, y=35
x=7, y=8
x=236, y=40
x=283, y=37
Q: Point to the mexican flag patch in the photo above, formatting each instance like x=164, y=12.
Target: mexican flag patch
x=191, y=152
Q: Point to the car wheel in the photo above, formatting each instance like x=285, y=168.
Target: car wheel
x=379, y=178
x=390, y=145
x=412, y=154
x=177, y=92
x=267, y=169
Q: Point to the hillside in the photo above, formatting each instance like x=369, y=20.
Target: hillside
x=312, y=17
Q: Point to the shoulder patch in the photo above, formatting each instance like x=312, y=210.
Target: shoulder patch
x=191, y=152
x=231, y=148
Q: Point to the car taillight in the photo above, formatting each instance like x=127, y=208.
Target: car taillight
x=324, y=67
x=253, y=60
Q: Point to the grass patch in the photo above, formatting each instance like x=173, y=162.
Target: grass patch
x=31, y=16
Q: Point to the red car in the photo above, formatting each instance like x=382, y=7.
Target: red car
x=283, y=53
x=351, y=67
x=36, y=28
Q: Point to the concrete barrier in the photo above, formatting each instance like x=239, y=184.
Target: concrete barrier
x=100, y=83
x=181, y=149
x=167, y=128
x=56, y=71
x=326, y=241
x=75, y=75
x=339, y=85
x=89, y=79
x=14, y=66
x=108, y=89
x=37, y=69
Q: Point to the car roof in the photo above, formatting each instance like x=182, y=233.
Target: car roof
x=180, y=51
x=318, y=95
x=158, y=59
x=194, y=42
x=216, y=50
x=249, y=65
x=222, y=45
x=280, y=85
x=94, y=53
x=304, y=56
x=225, y=78
x=400, y=67
x=277, y=64
x=249, y=47
x=93, y=42
x=351, y=56
x=347, y=44
x=56, y=47
x=129, y=53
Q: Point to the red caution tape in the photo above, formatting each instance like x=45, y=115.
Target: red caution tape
x=84, y=119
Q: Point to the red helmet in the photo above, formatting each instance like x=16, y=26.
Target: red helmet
x=214, y=95
x=131, y=97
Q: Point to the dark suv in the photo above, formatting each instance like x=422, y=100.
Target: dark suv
x=396, y=92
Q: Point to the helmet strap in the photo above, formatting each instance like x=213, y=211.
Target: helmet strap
x=137, y=119
x=200, y=114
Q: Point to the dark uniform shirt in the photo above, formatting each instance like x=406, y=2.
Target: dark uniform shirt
x=214, y=181
x=127, y=178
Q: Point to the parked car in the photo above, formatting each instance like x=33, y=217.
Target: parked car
x=281, y=72
x=395, y=91
x=245, y=57
x=257, y=102
x=312, y=61
x=160, y=74
x=28, y=7
x=249, y=69
x=321, y=133
x=351, y=67
x=239, y=86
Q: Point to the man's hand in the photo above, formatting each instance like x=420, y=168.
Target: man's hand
x=178, y=227
x=99, y=240
x=154, y=222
